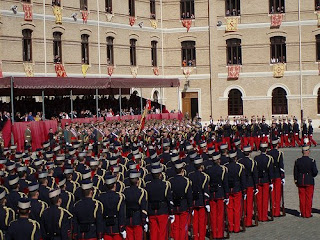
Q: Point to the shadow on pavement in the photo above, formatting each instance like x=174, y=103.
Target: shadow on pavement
x=314, y=210
x=292, y=212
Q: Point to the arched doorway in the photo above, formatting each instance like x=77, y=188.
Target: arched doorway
x=279, y=101
x=235, y=102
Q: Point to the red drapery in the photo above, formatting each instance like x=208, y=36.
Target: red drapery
x=6, y=133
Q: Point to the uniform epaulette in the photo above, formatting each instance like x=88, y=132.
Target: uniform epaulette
x=8, y=211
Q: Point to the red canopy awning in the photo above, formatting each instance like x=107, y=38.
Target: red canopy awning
x=87, y=83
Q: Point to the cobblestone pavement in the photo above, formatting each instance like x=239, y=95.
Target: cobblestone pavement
x=291, y=226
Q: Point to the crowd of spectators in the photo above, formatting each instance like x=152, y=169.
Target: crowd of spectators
x=28, y=109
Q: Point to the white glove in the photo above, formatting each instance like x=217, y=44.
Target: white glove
x=147, y=219
x=208, y=208
x=271, y=187
x=226, y=201
x=124, y=234
x=256, y=191
x=192, y=213
x=172, y=217
x=244, y=196
x=283, y=181
x=145, y=227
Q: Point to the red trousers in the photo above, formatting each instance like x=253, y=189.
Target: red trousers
x=305, y=197
x=199, y=223
x=286, y=142
x=115, y=236
x=312, y=141
x=217, y=218
x=249, y=207
x=276, y=197
x=296, y=139
x=263, y=201
x=234, y=211
x=88, y=238
x=180, y=226
x=251, y=142
x=134, y=232
x=265, y=139
x=227, y=141
x=245, y=141
x=159, y=225
x=257, y=141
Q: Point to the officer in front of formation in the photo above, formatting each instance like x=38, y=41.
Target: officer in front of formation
x=219, y=195
x=265, y=176
x=160, y=206
x=200, y=199
x=305, y=170
x=88, y=219
x=136, y=208
x=251, y=175
x=182, y=200
x=6, y=214
x=24, y=227
x=56, y=221
x=278, y=176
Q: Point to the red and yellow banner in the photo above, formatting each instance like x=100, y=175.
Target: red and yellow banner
x=232, y=24
x=85, y=15
x=276, y=20
x=187, y=24
x=60, y=70
x=234, y=72
x=278, y=70
x=57, y=12
x=28, y=69
x=132, y=20
x=27, y=8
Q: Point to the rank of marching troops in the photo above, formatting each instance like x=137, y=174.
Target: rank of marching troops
x=168, y=181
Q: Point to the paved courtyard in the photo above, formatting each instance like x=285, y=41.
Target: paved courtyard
x=291, y=226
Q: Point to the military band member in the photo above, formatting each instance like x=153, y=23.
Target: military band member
x=305, y=170
x=278, y=176
x=7, y=215
x=265, y=176
x=23, y=227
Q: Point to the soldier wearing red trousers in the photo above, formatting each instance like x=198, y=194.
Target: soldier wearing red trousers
x=251, y=174
x=278, y=176
x=305, y=170
x=237, y=186
x=296, y=131
x=136, y=208
x=265, y=175
x=200, y=199
x=219, y=195
x=159, y=206
x=310, y=134
x=285, y=133
x=265, y=130
x=182, y=201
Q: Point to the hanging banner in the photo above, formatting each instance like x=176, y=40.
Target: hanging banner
x=132, y=20
x=57, y=12
x=154, y=23
x=60, y=70
x=276, y=20
x=109, y=17
x=84, y=68
x=278, y=70
x=187, y=71
x=28, y=69
x=155, y=71
x=110, y=70
x=85, y=15
x=134, y=71
x=234, y=72
x=187, y=24
x=318, y=18
x=232, y=24
x=27, y=8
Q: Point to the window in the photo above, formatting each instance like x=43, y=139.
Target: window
x=27, y=45
x=132, y=10
x=85, y=48
x=84, y=5
x=57, y=47
x=108, y=6
x=153, y=9
x=233, y=8
x=187, y=9
x=278, y=50
x=188, y=53
x=155, y=96
x=234, y=55
x=133, y=53
x=279, y=101
x=110, y=56
x=317, y=5
x=26, y=1
x=56, y=3
x=318, y=47
x=277, y=6
x=318, y=101
x=235, y=103
x=154, y=56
